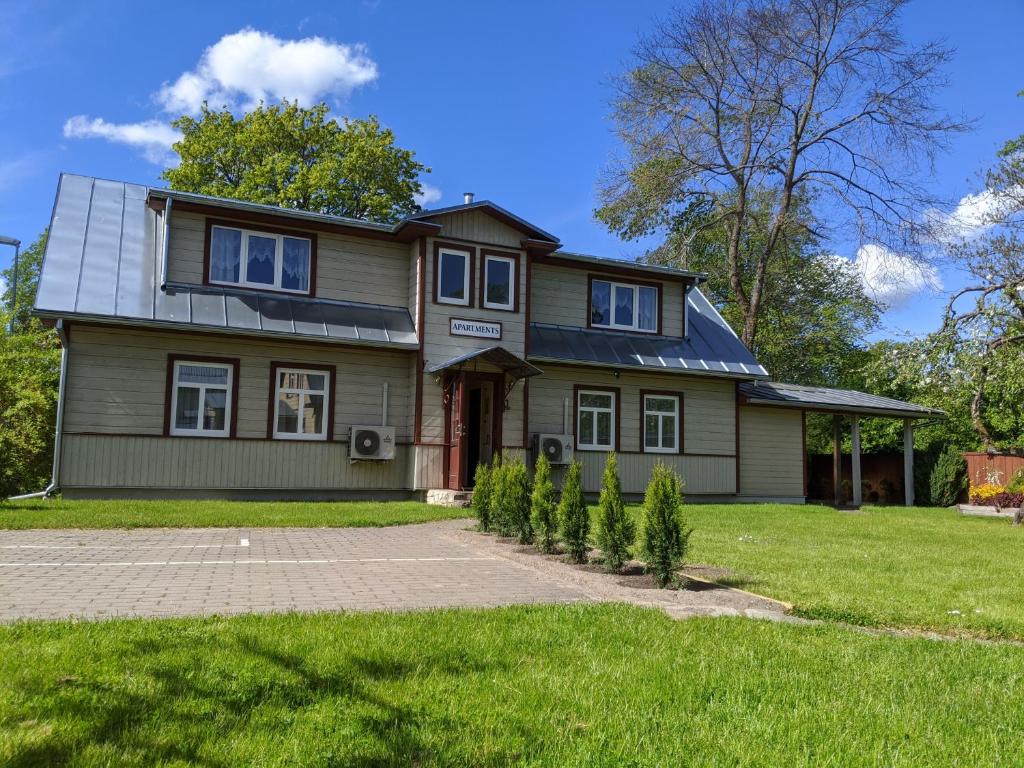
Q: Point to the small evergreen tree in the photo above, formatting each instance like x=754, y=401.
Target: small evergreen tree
x=949, y=477
x=543, y=505
x=573, y=517
x=501, y=520
x=483, y=490
x=517, y=500
x=615, y=531
x=664, y=540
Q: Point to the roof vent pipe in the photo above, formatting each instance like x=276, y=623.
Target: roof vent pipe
x=468, y=197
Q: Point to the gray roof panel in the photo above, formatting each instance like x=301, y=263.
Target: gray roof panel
x=509, y=362
x=832, y=400
x=102, y=262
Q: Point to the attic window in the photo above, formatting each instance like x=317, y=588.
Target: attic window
x=624, y=306
x=259, y=259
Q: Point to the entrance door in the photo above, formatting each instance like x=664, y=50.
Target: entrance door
x=457, y=415
x=474, y=425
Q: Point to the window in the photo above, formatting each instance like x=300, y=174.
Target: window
x=302, y=403
x=201, y=398
x=623, y=306
x=661, y=423
x=453, y=277
x=499, y=283
x=260, y=259
x=595, y=420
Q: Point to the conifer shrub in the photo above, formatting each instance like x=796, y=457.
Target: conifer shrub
x=949, y=477
x=615, y=530
x=573, y=517
x=483, y=491
x=664, y=541
x=543, y=506
x=501, y=521
x=511, y=500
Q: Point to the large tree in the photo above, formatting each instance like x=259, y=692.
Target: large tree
x=20, y=289
x=294, y=157
x=820, y=101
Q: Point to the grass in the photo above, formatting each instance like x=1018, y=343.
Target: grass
x=605, y=685
x=884, y=566
x=101, y=513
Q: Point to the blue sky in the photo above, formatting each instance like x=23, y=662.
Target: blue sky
x=507, y=101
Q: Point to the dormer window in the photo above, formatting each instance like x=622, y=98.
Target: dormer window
x=624, y=306
x=454, y=275
x=498, y=288
x=260, y=259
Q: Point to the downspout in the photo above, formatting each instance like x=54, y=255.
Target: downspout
x=166, y=245
x=59, y=426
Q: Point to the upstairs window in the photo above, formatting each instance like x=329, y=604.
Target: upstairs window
x=623, y=306
x=201, y=394
x=256, y=259
x=499, y=284
x=302, y=403
x=453, y=277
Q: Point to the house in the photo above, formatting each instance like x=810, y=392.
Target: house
x=214, y=347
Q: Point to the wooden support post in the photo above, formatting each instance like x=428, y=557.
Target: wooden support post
x=837, y=457
x=855, y=481
x=908, y=461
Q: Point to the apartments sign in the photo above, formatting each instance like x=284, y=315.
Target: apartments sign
x=479, y=329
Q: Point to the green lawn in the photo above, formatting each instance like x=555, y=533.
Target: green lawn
x=884, y=566
x=574, y=685
x=58, y=513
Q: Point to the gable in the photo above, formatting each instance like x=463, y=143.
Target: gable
x=477, y=225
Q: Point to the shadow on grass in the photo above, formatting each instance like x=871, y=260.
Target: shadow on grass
x=157, y=709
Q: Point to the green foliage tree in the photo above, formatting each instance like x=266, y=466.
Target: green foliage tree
x=30, y=264
x=511, y=500
x=29, y=375
x=573, y=516
x=664, y=541
x=296, y=157
x=615, y=531
x=543, y=506
x=501, y=520
x=483, y=489
x=949, y=477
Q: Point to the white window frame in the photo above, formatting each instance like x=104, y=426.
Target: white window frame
x=614, y=286
x=510, y=306
x=592, y=412
x=243, y=265
x=661, y=415
x=466, y=287
x=303, y=392
x=229, y=404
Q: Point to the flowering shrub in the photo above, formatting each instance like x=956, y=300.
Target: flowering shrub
x=1007, y=500
x=984, y=494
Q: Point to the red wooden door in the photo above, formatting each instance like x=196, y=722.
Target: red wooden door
x=457, y=433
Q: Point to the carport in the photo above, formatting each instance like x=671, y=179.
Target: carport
x=854, y=405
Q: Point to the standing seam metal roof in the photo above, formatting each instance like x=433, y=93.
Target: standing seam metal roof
x=832, y=400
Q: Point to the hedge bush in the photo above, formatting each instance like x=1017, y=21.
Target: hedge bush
x=512, y=500
x=615, y=530
x=949, y=477
x=573, y=517
x=483, y=490
x=543, y=506
x=664, y=540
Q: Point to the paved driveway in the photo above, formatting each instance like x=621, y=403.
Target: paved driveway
x=178, y=572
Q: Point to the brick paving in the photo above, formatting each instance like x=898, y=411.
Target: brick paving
x=181, y=572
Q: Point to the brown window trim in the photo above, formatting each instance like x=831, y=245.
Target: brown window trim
x=330, y=370
x=439, y=246
x=611, y=279
x=168, y=392
x=617, y=393
x=241, y=224
x=643, y=421
x=514, y=256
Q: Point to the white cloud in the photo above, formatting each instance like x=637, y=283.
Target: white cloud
x=247, y=66
x=891, y=278
x=429, y=194
x=153, y=137
x=974, y=215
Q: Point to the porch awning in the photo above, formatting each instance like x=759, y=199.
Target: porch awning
x=508, y=362
x=838, y=401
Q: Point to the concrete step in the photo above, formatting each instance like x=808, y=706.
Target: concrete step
x=445, y=497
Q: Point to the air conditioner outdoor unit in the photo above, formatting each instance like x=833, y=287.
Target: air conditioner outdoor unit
x=371, y=443
x=558, y=448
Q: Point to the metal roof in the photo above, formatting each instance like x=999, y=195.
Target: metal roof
x=102, y=263
x=712, y=347
x=508, y=361
x=501, y=213
x=832, y=400
x=604, y=261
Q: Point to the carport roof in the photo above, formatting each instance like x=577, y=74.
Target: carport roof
x=840, y=401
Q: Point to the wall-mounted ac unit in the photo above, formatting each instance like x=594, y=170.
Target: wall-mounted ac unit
x=371, y=443
x=558, y=448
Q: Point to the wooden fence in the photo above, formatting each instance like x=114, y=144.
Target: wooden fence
x=999, y=468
